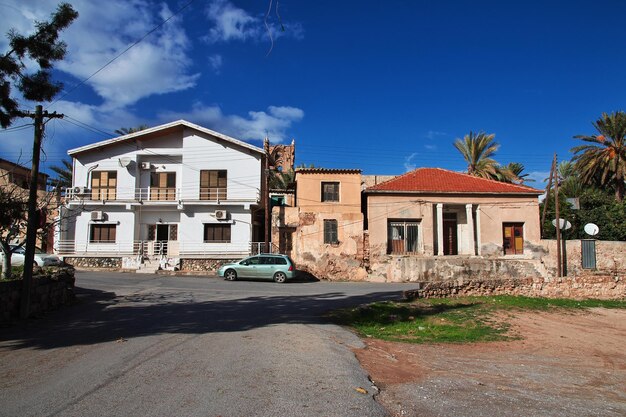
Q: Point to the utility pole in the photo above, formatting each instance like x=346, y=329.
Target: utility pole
x=548, y=189
x=33, y=223
x=266, y=194
x=558, y=222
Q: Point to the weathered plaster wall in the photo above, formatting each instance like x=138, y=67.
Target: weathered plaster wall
x=446, y=268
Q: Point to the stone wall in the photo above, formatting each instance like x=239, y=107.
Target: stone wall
x=606, y=287
x=203, y=265
x=93, y=262
x=51, y=289
x=610, y=256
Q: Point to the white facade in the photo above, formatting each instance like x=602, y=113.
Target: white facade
x=147, y=187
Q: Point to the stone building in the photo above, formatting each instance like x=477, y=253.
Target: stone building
x=323, y=232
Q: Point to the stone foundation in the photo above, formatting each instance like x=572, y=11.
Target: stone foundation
x=52, y=288
x=204, y=265
x=604, y=287
x=94, y=262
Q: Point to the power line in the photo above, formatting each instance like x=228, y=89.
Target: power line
x=124, y=51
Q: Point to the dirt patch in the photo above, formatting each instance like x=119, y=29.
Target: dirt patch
x=565, y=364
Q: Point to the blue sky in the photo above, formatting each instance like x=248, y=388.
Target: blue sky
x=380, y=86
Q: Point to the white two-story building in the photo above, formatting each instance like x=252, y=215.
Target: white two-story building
x=179, y=191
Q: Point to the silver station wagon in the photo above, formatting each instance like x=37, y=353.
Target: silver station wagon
x=264, y=266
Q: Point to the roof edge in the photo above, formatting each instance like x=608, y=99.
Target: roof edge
x=180, y=122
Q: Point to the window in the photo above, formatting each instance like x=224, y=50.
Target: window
x=102, y=233
x=163, y=186
x=213, y=184
x=330, y=231
x=103, y=185
x=330, y=191
x=402, y=237
x=513, y=238
x=217, y=233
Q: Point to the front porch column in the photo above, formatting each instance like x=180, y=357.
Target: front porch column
x=440, y=229
x=470, y=227
x=478, y=251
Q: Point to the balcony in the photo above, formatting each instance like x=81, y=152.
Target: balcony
x=172, y=248
x=158, y=194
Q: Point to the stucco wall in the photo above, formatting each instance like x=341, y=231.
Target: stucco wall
x=309, y=186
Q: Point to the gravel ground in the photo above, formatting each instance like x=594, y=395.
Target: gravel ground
x=566, y=365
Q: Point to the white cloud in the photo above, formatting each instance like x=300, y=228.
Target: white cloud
x=158, y=64
x=433, y=134
x=408, y=164
x=274, y=123
x=232, y=23
x=215, y=62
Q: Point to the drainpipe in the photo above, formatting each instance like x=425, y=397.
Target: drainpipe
x=89, y=170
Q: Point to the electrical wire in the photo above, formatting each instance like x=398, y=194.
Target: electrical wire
x=124, y=51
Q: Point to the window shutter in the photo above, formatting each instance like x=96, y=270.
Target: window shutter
x=173, y=232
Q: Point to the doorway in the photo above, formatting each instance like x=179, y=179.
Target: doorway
x=450, y=238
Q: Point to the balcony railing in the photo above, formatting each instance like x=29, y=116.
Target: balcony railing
x=172, y=248
x=160, y=194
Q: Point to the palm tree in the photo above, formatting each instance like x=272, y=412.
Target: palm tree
x=282, y=180
x=511, y=173
x=129, y=130
x=569, y=181
x=64, y=175
x=603, y=161
x=477, y=150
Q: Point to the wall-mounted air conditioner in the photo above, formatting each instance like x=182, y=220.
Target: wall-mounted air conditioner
x=98, y=215
x=81, y=190
x=221, y=214
x=146, y=165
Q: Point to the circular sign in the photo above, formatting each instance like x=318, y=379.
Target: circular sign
x=563, y=224
x=591, y=229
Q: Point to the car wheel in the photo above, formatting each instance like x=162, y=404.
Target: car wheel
x=230, y=275
x=280, y=277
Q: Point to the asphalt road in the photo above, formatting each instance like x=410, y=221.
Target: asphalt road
x=189, y=346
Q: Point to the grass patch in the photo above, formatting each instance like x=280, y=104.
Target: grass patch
x=455, y=320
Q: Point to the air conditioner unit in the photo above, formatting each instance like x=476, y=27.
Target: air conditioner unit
x=81, y=190
x=146, y=165
x=98, y=215
x=221, y=214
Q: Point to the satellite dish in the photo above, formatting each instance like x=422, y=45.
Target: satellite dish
x=591, y=229
x=124, y=162
x=563, y=224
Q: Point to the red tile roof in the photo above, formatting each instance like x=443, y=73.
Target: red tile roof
x=327, y=171
x=437, y=180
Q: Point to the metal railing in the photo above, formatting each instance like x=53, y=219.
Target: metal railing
x=172, y=248
x=160, y=194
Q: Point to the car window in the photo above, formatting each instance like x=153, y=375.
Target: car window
x=252, y=261
x=280, y=261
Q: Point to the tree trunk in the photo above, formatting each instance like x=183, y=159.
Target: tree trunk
x=6, y=261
